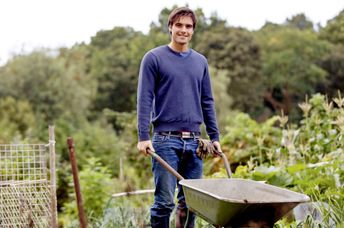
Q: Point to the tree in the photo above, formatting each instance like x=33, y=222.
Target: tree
x=223, y=102
x=161, y=25
x=333, y=64
x=51, y=85
x=44, y=82
x=300, y=21
x=235, y=51
x=114, y=62
x=334, y=30
x=290, y=65
x=17, y=120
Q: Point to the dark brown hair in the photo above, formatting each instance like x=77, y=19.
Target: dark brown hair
x=179, y=12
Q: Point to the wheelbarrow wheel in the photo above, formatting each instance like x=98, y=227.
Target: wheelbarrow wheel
x=256, y=219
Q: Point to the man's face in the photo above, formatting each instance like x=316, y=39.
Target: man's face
x=182, y=30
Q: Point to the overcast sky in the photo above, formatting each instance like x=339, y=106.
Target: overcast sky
x=29, y=24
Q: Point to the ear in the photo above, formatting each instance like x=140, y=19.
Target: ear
x=170, y=29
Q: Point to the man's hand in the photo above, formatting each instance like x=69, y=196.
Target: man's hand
x=142, y=146
x=217, y=146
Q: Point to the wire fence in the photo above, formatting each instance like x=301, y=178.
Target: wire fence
x=26, y=190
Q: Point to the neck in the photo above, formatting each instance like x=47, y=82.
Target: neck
x=178, y=47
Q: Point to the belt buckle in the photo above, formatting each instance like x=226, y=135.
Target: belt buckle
x=186, y=134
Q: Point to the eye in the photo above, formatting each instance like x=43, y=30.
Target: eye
x=178, y=25
x=188, y=26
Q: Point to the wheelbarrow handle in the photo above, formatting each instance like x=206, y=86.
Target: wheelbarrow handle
x=165, y=164
x=226, y=163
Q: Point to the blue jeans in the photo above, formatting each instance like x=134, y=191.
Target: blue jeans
x=181, y=155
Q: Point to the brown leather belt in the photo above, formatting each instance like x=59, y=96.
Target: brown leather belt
x=181, y=134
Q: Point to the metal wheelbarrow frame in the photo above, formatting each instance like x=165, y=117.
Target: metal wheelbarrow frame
x=235, y=202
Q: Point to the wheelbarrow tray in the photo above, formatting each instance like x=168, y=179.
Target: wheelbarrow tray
x=229, y=202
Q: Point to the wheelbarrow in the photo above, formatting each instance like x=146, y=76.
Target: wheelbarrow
x=235, y=202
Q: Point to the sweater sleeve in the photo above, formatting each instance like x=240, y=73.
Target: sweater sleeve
x=145, y=94
x=208, y=107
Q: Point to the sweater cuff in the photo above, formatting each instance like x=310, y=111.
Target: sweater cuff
x=144, y=136
x=214, y=137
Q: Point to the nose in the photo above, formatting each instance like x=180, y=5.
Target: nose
x=183, y=29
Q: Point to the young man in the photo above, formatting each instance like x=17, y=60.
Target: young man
x=174, y=94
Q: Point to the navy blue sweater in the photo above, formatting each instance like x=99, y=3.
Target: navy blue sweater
x=174, y=93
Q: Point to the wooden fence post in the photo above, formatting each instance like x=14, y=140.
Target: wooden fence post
x=53, y=177
x=82, y=217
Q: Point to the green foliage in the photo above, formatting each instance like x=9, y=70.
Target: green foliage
x=333, y=64
x=235, y=51
x=114, y=62
x=124, y=216
x=246, y=138
x=162, y=25
x=100, y=141
x=290, y=65
x=307, y=158
x=334, y=30
x=17, y=118
x=41, y=79
x=96, y=186
x=219, y=83
x=290, y=53
x=131, y=211
x=91, y=139
x=300, y=21
x=138, y=167
x=82, y=90
x=319, y=134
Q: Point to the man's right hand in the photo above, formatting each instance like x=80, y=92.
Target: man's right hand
x=142, y=146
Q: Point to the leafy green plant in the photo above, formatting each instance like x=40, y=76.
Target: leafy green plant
x=306, y=158
x=96, y=185
x=131, y=211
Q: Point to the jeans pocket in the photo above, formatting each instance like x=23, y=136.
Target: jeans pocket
x=159, y=139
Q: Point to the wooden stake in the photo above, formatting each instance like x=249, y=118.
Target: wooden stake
x=82, y=217
x=53, y=177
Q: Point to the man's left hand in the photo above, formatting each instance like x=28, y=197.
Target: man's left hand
x=217, y=146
